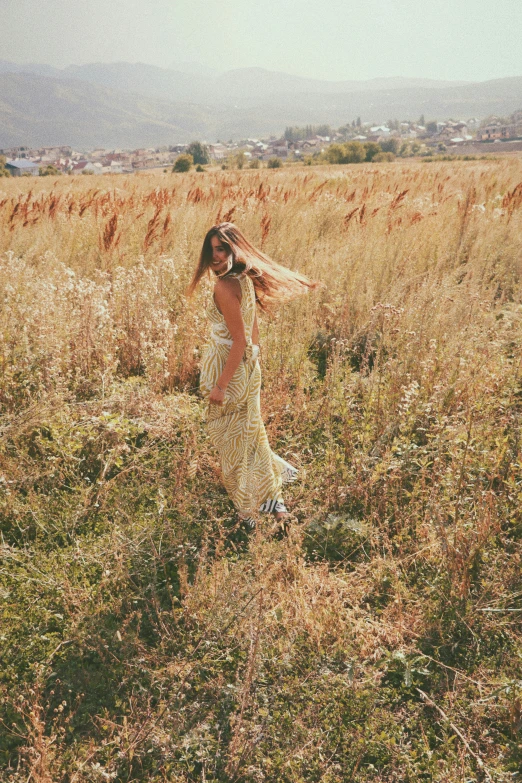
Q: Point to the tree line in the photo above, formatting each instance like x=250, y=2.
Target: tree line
x=367, y=151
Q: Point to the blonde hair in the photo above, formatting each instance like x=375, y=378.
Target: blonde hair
x=273, y=283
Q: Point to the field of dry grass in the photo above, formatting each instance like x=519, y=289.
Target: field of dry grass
x=144, y=637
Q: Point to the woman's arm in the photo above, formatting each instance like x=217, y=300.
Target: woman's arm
x=227, y=294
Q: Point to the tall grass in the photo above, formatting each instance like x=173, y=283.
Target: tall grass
x=146, y=638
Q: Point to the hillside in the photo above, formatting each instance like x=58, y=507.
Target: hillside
x=185, y=83
x=500, y=96
x=246, y=85
x=44, y=111
x=128, y=105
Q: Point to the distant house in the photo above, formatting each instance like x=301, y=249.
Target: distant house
x=494, y=132
x=15, y=153
x=218, y=151
x=21, y=167
x=118, y=156
x=449, y=130
x=54, y=152
x=114, y=167
x=145, y=163
x=83, y=165
x=64, y=164
x=378, y=133
x=280, y=148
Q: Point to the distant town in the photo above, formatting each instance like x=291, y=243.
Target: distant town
x=309, y=144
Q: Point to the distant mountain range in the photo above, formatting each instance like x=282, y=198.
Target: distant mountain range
x=132, y=104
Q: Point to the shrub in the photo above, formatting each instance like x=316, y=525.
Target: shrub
x=354, y=152
x=335, y=153
x=391, y=145
x=3, y=171
x=351, y=152
x=274, y=163
x=372, y=149
x=240, y=160
x=384, y=157
x=255, y=163
x=183, y=163
x=49, y=171
x=199, y=167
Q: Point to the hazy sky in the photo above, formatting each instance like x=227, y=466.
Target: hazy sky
x=327, y=39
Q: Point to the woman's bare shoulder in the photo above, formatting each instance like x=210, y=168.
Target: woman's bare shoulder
x=228, y=286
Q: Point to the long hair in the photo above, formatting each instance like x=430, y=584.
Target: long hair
x=273, y=283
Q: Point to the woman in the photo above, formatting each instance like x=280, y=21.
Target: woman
x=230, y=373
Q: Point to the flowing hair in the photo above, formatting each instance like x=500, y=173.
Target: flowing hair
x=273, y=283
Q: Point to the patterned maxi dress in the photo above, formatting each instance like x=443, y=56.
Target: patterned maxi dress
x=252, y=473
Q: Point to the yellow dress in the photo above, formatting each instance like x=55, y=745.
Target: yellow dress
x=252, y=473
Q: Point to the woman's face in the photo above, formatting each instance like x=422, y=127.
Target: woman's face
x=220, y=255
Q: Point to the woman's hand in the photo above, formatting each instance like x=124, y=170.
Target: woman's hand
x=217, y=397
